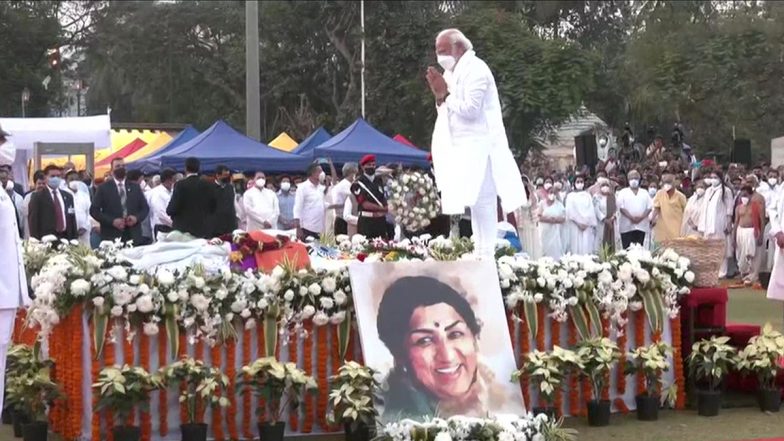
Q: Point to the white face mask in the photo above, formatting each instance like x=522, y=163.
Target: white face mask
x=9, y=185
x=285, y=186
x=700, y=191
x=744, y=200
x=715, y=182
x=447, y=61
x=601, y=181
x=73, y=185
x=558, y=185
x=260, y=183
x=550, y=197
x=548, y=185
x=634, y=183
x=667, y=187
x=579, y=185
x=605, y=189
x=652, y=191
x=322, y=177
x=772, y=181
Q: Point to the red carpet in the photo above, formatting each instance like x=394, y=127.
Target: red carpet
x=767, y=439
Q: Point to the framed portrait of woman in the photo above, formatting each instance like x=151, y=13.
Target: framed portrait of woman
x=437, y=334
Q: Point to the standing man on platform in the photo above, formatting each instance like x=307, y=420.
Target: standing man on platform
x=192, y=205
x=13, y=282
x=309, y=204
x=472, y=160
x=368, y=190
x=159, y=201
x=119, y=206
x=261, y=205
x=340, y=193
x=52, y=211
x=225, y=220
x=286, y=203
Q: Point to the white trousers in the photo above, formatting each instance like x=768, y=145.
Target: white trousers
x=484, y=217
x=7, y=317
x=745, y=250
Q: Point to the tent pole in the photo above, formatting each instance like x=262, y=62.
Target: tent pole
x=252, y=72
x=362, y=24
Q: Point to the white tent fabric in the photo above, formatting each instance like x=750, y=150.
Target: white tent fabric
x=25, y=132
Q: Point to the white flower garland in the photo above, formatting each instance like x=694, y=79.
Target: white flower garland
x=413, y=200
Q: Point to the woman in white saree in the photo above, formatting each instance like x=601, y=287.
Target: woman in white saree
x=581, y=219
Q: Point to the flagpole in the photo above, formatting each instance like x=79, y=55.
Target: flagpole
x=362, y=25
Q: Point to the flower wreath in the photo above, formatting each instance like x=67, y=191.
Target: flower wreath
x=413, y=200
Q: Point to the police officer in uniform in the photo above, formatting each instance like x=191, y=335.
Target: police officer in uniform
x=369, y=192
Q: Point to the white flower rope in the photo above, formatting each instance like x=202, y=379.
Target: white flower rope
x=413, y=200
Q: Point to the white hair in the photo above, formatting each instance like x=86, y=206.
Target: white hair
x=456, y=37
x=350, y=168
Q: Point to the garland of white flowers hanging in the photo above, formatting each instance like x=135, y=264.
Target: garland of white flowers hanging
x=413, y=200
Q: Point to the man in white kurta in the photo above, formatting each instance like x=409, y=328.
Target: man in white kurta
x=261, y=205
x=776, y=285
x=13, y=282
x=580, y=220
x=471, y=157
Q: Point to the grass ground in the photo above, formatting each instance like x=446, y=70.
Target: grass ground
x=747, y=423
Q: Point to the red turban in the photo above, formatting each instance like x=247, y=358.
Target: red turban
x=367, y=158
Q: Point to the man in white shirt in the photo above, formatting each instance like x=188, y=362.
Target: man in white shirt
x=635, y=206
x=82, y=202
x=286, y=204
x=7, y=185
x=159, y=198
x=771, y=190
x=309, y=204
x=340, y=193
x=261, y=205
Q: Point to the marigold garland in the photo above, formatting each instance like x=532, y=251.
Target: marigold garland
x=95, y=369
x=163, y=401
x=144, y=355
x=525, y=348
x=677, y=354
x=307, y=361
x=322, y=355
x=128, y=358
x=68, y=373
x=639, y=341
x=293, y=414
x=574, y=391
x=217, y=424
x=335, y=364
x=540, y=328
x=351, y=348
x=555, y=336
x=620, y=381
x=247, y=406
x=231, y=372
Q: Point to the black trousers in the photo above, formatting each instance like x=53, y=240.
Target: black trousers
x=634, y=236
x=439, y=226
x=341, y=226
x=307, y=234
x=373, y=227
x=465, y=228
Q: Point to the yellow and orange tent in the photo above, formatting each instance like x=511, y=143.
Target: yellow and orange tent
x=284, y=142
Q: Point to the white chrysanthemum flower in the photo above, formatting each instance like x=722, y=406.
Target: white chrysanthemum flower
x=200, y=302
x=314, y=289
x=165, y=278
x=150, y=328
x=80, y=287
x=98, y=302
x=144, y=304
x=320, y=319
x=116, y=311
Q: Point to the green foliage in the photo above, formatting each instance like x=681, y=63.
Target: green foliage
x=597, y=356
x=29, y=387
x=281, y=384
x=711, y=360
x=761, y=356
x=354, y=390
x=201, y=384
x=650, y=361
x=123, y=388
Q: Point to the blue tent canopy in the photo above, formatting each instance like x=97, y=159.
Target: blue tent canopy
x=221, y=144
x=152, y=162
x=360, y=139
x=308, y=144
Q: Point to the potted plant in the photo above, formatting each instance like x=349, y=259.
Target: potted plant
x=20, y=360
x=597, y=357
x=761, y=357
x=122, y=389
x=282, y=386
x=710, y=360
x=354, y=390
x=549, y=370
x=650, y=361
x=32, y=392
x=200, y=383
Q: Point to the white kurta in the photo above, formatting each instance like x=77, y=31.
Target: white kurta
x=528, y=228
x=261, y=205
x=691, y=215
x=550, y=234
x=715, y=218
x=469, y=133
x=580, y=209
x=776, y=285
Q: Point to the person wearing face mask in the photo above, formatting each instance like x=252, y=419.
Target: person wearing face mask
x=669, y=206
x=748, y=234
x=225, y=219
x=82, y=203
x=716, y=216
x=368, y=189
x=309, y=204
x=193, y=202
x=286, y=204
x=581, y=220
x=52, y=210
x=770, y=188
x=634, y=205
x=551, y=215
x=39, y=183
x=338, y=195
x=691, y=214
x=160, y=197
x=541, y=192
x=7, y=185
x=473, y=163
x=261, y=205
x=527, y=221
x=119, y=206
x=607, y=214
x=601, y=180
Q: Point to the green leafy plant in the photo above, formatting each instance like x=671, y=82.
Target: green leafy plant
x=711, y=360
x=548, y=369
x=123, y=388
x=29, y=387
x=354, y=390
x=761, y=356
x=201, y=384
x=597, y=357
x=280, y=384
x=650, y=361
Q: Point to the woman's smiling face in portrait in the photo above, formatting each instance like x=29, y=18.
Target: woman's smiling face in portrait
x=442, y=350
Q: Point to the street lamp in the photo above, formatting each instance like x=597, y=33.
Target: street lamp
x=25, y=99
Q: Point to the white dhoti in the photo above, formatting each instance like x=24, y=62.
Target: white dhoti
x=745, y=249
x=484, y=217
x=7, y=317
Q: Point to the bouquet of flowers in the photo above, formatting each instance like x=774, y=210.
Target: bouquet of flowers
x=512, y=428
x=413, y=200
